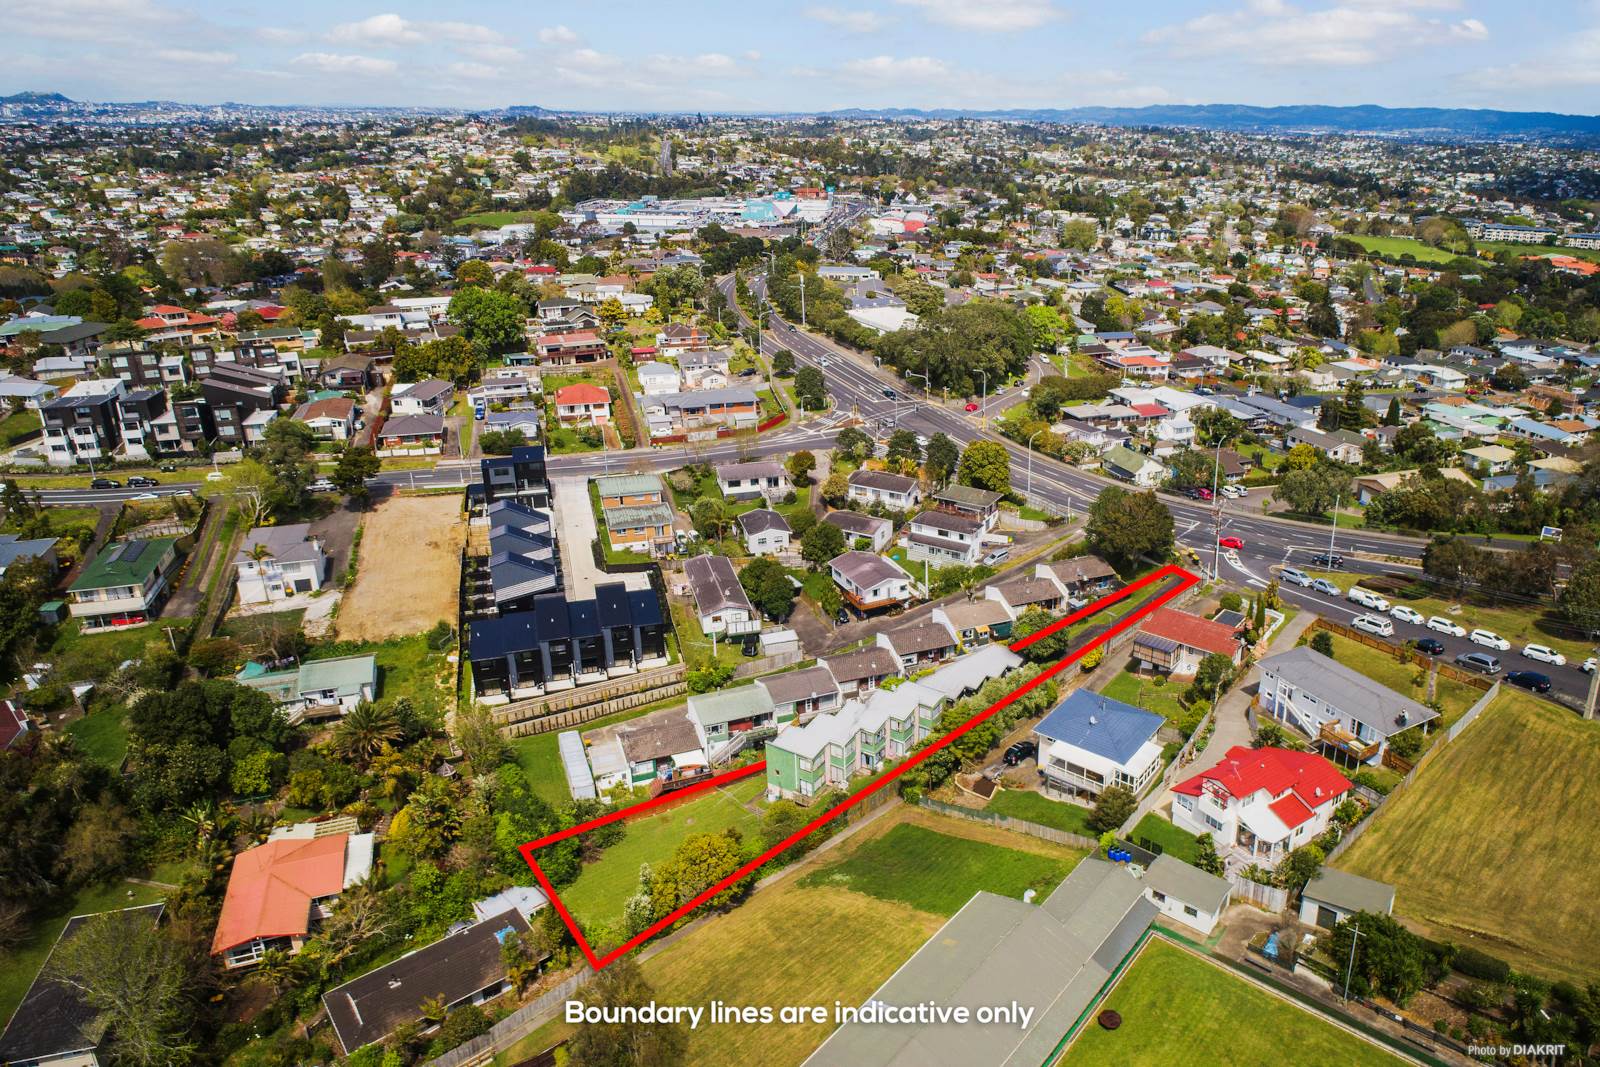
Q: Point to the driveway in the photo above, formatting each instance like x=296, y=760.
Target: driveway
x=337, y=531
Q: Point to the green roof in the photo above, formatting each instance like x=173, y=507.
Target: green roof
x=627, y=484
x=125, y=563
x=730, y=704
x=347, y=674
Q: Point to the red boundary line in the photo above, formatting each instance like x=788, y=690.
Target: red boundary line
x=1185, y=581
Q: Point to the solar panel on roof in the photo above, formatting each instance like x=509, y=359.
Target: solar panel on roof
x=131, y=551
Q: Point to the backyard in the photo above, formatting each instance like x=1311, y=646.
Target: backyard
x=1154, y=830
x=1156, y=693
x=407, y=667
x=1173, y=1002
x=1494, y=844
x=1035, y=808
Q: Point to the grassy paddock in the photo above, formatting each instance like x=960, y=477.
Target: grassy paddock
x=1172, y=1003
x=1489, y=848
x=1032, y=807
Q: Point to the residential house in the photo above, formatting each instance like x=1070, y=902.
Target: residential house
x=583, y=404
x=982, y=505
x=706, y=369
x=858, y=527
x=1083, y=578
x=945, y=538
x=278, y=892
x=1124, y=464
x=919, y=644
x=825, y=753
x=766, y=532
x=1341, y=446
x=330, y=419
x=1019, y=594
x=657, y=378
x=521, y=475
x=277, y=562
x=55, y=1025
x=758, y=479
x=680, y=337
x=1344, y=714
x=1332, y=896
x=422, y=435
x=661, y=749
x=894, y=491
x=975, y=622
x=859, y=673
x=83, y=423
x=1186, y=893
x=722, y=716
x=570, y=349
x=124, y=585
x=1370, y=486
x=1259, y=804
x=720, y=601
x=627, y=490
x=641, y=528
x=1175, y=641
x=801, y=695
x=13, y=550
x=430, y=397
x=735, y=407
x=316, y=689
x=465, y=967
x=232, y=395
x=1089, y=742
x=871, y=582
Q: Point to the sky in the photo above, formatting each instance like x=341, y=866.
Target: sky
x=725, y=56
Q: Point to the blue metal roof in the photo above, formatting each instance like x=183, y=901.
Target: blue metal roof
x=1098, y=724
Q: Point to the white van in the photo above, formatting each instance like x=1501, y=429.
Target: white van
x=1374, y=624
x=1367, y=598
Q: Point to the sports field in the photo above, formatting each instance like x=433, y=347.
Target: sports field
x=1178, y=1008
x=605, y=885
x=1395, y=247
x=1494, y=844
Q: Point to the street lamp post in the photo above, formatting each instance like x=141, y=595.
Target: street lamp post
x=1355, y=935
x=1028, y=493
x=927, y=389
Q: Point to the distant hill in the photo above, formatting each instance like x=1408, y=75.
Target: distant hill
x=35, y=98
x=1307, y=118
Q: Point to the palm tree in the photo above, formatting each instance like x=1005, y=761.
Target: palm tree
x=363, y=732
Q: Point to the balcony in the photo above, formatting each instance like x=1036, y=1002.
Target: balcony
x=1347, y=742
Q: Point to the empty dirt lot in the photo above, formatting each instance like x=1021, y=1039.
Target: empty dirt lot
x=408, y=574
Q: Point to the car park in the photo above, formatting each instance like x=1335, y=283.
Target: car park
x=1322, y=585
x=1401, y=613
x=1544, y=654
x=1479, y=661
x=1489, y=639
x=1231, y=542
x=1440, y=624
x=1294, y=576
x=1539, y=683
x=1332, y=562
x=1373, y=624
x=1022, y=750
x=1367, y=598
x=1431, y=646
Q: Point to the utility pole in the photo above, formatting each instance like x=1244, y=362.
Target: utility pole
x=1333, y=530
x=802, y=299
x=1216, y=518
x=1028, y=493
x=1355, y=934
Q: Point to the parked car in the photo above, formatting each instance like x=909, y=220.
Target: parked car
x=971, y=406
x=1294, y=576
x=1430, y=646
x=996, y=556
x=1440, y=624
x=1373, y=624
x=214, y=476
x=1367, y=598
x=1489, y=639
x=105, y=483
x=1544, y=654
x=750, y=646
x=1020, y=751
x=322, y=485
x=841, y=617
x=1231, y=542
x=1479, y=661
x=1405, y=614
x=1590, y=665
x=1332, y=562
x=1199, y=492
x=1235, y=492
x=1204, y=390
x=1539, y=683
x=144, y=496
x=1322, y=585
x=168, y=468
x=139, y=481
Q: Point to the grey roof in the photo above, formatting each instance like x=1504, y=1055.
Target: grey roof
x=716, y=586
x=968, y=496
x=1188, y=884
x=855, y=522
x=874, y=662
x=790, y=686
x=657, y=737
x=429, y=389
x=1082, y=569
x=701, y=398
x=866, y=569
x=1347, y=690
x=1020, y=591
x=1101, y=725
x=730, y=472
x=984, y=612
x=740, y=702
x=996, y=950
x=948, y=520
x=13, y=548
x=883, y=481
x=761, y=520
x=1350, y=892
x=632, y=516
x=288, y=544
x=413, y=426
x=628, y=484
x=921, y=637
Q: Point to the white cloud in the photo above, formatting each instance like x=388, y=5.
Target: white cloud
x=557, y=35
x=885, y=70
x=1352, y=33
x=475, y=71
x=331, y=63
x=1576, y=63
x=281, y=35
x=851, y=21
x=388, y=29
x=196, y=57
x=993, y=16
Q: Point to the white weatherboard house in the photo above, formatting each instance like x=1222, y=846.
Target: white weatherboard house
x=1090, y=742
x=1347, y=715
x=276, y=562
x=1259, y=804
x=719, y=599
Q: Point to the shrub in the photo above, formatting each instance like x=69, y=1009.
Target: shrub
x=1476, y=964
x=1231, y=602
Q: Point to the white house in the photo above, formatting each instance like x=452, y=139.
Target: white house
x=870, y=581
x=1333, y=896
x=1347, y=715
x=1186, y=893
x=893, y=491
x=1260, y=804
x=944, y=538
x=720, y=601
x=583, y=404
x=857, y=526
x=277, y=562
x=1124, y=464
x=766, y=533
x=758, y=478
x=657, y=378
x=1090, y=742
x=430, y=397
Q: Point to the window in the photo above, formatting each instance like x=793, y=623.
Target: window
x=1191, y=912
x=1161, y=898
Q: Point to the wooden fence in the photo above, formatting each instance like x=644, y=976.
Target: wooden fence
x=1270, y=897
x=514, y=1027
x=559, y=711
x=1006, y=822
x=1403, y=654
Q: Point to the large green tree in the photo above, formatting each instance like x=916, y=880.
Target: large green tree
x=1125, y=526
x=489, y=317
x=986, y=465
x=604, y=1044
x=767, y=584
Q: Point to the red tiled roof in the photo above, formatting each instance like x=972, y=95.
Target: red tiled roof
x=1291, y=810
x=582, y=393
x=1206, y=635
x=13, y=722
x=1151, y=411
x=576, y=337
x=272, y=886
x=1312, y=780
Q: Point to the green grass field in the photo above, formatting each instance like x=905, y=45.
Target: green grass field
x=1180, y=843
x=1395, y=247
x=406, y=667
x=102, y=736
x=1173, y=1004
x=1494, y=844
x=19, y=965
x=484, y=220
x=1031, y=807
x=937, y=873
x=1157, y=694
x=606, y=884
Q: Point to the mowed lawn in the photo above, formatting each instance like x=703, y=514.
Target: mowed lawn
x=1173, y=1003
x=1495, y=844
x=936, y=872
x=605, y=885
x=1454, y=697
x=1032, y=807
